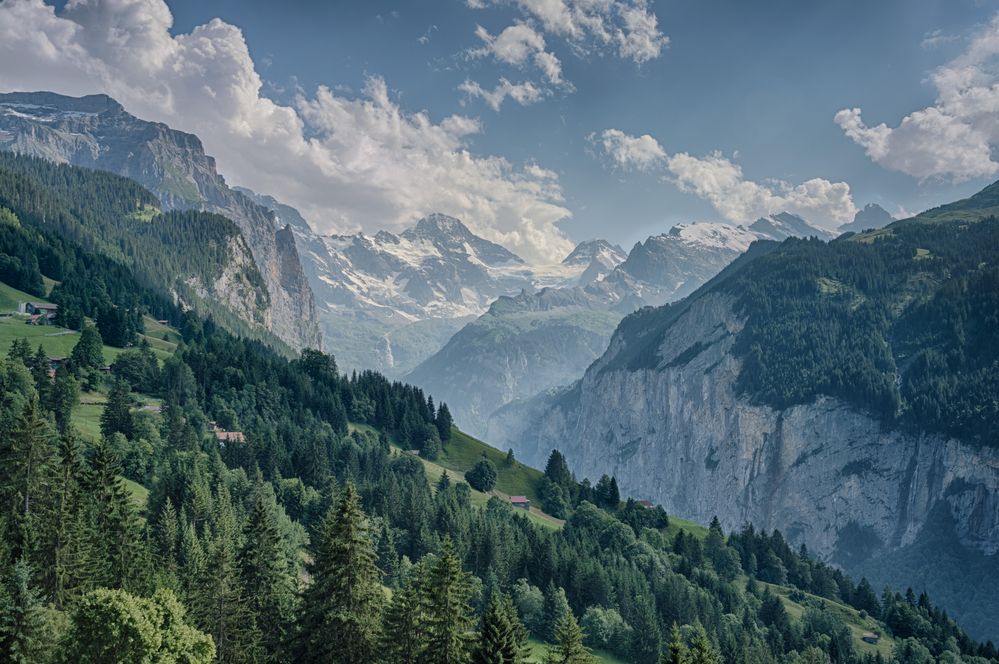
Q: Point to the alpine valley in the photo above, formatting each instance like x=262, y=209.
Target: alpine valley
x=228, y=437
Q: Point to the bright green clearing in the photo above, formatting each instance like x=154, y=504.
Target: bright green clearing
x=858, y=626
x=10, y=298
x=539, y=650
x=463, y=452
x=59, y=342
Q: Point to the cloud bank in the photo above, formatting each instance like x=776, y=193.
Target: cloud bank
x=952, y=139
x=347, y=163
x=719, y=181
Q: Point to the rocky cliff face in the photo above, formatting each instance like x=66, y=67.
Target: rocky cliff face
x=823, y=473
x=96, y=132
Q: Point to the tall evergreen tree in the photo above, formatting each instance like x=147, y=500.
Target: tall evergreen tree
x=88, y=353
x=568, y=645
x=497, y=642
x=115, y=534
x=117, y=415
x=702, y=651
x=342, y=608
x=404, y=638
x=444, y=422
x=64, y=540
x=264, y=573
x=23, y=626
x=676, y=652
x=26, y=457
x=449, y=617
x=220, y=605
x=556, y=607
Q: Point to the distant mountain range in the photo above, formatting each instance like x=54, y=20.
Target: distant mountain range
x=537, y=341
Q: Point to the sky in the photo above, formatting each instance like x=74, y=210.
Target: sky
x=542, y=123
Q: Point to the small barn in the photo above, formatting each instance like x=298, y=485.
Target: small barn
x=870, y=637
x=520, y=502
x=225, y=437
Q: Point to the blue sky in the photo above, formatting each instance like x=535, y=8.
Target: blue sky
x=749, y=86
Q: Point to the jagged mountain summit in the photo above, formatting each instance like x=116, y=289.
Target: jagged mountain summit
x=783, y=225
x=598, y=257
x=96, y=132
x=388, y=301
x=871, y=217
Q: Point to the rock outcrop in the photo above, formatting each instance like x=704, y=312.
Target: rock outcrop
x=824, y=473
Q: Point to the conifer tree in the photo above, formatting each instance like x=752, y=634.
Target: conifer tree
x=444, y=422
x=701, y=649
x=404, y=637
x=26, y=458
x=115, y=536
x=449, y=620
x=676, y=651
x=64, y=541
x=388, y=557
x=88, y=353
x=220, y=605
x=568, y=645
x=63, y=395
x=23, y=626
x=556, y=607
x=342, y=608
x=498, y=640
x=117, y=415
x=264, y=573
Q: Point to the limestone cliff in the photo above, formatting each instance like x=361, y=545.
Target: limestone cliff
x=824, y=473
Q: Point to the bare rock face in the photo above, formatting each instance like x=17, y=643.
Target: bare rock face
x=96, y=132
x=824, y=473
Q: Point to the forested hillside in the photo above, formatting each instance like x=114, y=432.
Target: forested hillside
x=261, y=509
x=198, y=257
x=899, y=322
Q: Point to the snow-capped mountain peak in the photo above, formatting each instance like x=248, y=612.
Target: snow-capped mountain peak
x=783, y=225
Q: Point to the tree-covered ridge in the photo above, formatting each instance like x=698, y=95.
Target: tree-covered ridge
x=115, y=217
x=900, y=322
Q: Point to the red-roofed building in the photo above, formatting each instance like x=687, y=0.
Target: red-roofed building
x=646, y=503
x=230, y=437
x=520, y=502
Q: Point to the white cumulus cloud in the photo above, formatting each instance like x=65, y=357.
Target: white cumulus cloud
x=721, y=182
x=629, y=27
x=348, y=163
x=525, y=93
x=955, y=137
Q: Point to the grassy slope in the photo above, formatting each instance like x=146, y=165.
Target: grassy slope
x=10, y=297
x=850, y=615
x=463, y=452
x=59, y=342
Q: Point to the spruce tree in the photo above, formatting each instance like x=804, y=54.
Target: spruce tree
x=556, y=607
x=64, y=540
x=88, y=353
x=676, y=651
x=444, y=422
x=449, y=617
x=115, y=533
x=568, y=647
x=23, y=626
x=498, y=640
x=117, y=415
x=701, y=649
x=263, y=568
x=26, y=458
x=220, y=605
x=404, y=636
x=342, y=608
